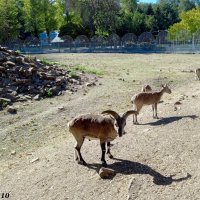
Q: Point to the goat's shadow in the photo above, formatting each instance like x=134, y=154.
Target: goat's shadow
x=168, y=120
x=127, y=167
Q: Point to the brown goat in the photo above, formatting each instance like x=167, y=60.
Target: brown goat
x=146, y=88
x=148, y=98
x=197, y=73
x=97, y=126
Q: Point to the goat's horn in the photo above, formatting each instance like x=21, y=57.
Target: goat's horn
x=129, y=112
x=111, y=112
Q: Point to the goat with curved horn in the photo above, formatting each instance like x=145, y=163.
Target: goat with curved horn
x=97, y=126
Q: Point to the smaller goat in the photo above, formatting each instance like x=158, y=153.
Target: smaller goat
x=148, y=98
x=146, y=88
x=197, y=73
x=97, y=126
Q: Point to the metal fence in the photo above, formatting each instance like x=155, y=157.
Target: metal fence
x=147, y=42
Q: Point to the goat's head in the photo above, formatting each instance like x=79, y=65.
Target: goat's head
x=166, y=89
x=121, y=121
x=146, y=88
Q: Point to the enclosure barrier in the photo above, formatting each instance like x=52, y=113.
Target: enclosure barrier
x=147, y=42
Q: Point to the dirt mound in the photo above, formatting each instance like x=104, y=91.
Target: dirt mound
x=23, y=78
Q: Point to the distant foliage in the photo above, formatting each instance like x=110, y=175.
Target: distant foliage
x=23, y=18
x=9, y=25
x=190, y=21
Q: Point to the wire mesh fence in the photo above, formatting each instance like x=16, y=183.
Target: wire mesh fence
x=147, y=42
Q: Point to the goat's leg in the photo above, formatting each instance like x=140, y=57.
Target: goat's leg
x=133, y=119
x=136, y=121
x=76, y=158
x=78, y=155
x=103, y=149
x=153, y=109
x=108, y=150
x=156, y=114
x=136, y=114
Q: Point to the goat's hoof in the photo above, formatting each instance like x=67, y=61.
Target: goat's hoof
x=110, y=156
x=82, y=162
x=104, y=164
x=76, y=158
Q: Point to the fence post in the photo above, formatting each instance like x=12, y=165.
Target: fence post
x=193, y=46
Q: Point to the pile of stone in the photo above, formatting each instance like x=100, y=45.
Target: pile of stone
x=24, y=78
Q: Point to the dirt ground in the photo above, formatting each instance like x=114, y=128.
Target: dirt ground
x=158, y=159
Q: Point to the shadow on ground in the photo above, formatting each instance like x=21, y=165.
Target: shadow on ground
x=127, y=167
x=168, y=120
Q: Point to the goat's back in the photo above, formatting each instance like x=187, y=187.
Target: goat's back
x=95, y=126
x=146, y=98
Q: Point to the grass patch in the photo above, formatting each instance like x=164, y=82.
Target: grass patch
x=73, y=74
x=89, y=70
x=48, y=62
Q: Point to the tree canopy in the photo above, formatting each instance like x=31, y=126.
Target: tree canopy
x=21, y=18
x=190, y=22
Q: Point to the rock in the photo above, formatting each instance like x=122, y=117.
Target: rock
x=19, y=59
x=146, y=130
x=9, y=63
x=23, y=78
x=12, y=110
x=177, y=108
x=90, y=84
x=177, y=103
x=4, y=100
x=61, y=108
x=105, y=173
x=11, y=97
x=29, y=154
x=34, y=160
x=22, y=98
x=37, y=97
x=13, y=153
x=2, y=69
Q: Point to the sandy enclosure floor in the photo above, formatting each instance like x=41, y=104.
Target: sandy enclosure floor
x=158, y=159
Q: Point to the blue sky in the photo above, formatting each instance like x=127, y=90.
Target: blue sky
x=148, y=1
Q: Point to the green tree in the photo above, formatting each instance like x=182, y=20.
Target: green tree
x=190, y=21
x=9, y=25
x=101, y=17
x=165, y=15
x=185, y=5
x=139, y=23
x=33, y=16
x=43, y=15
x=72, y=26
x=129, y=6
